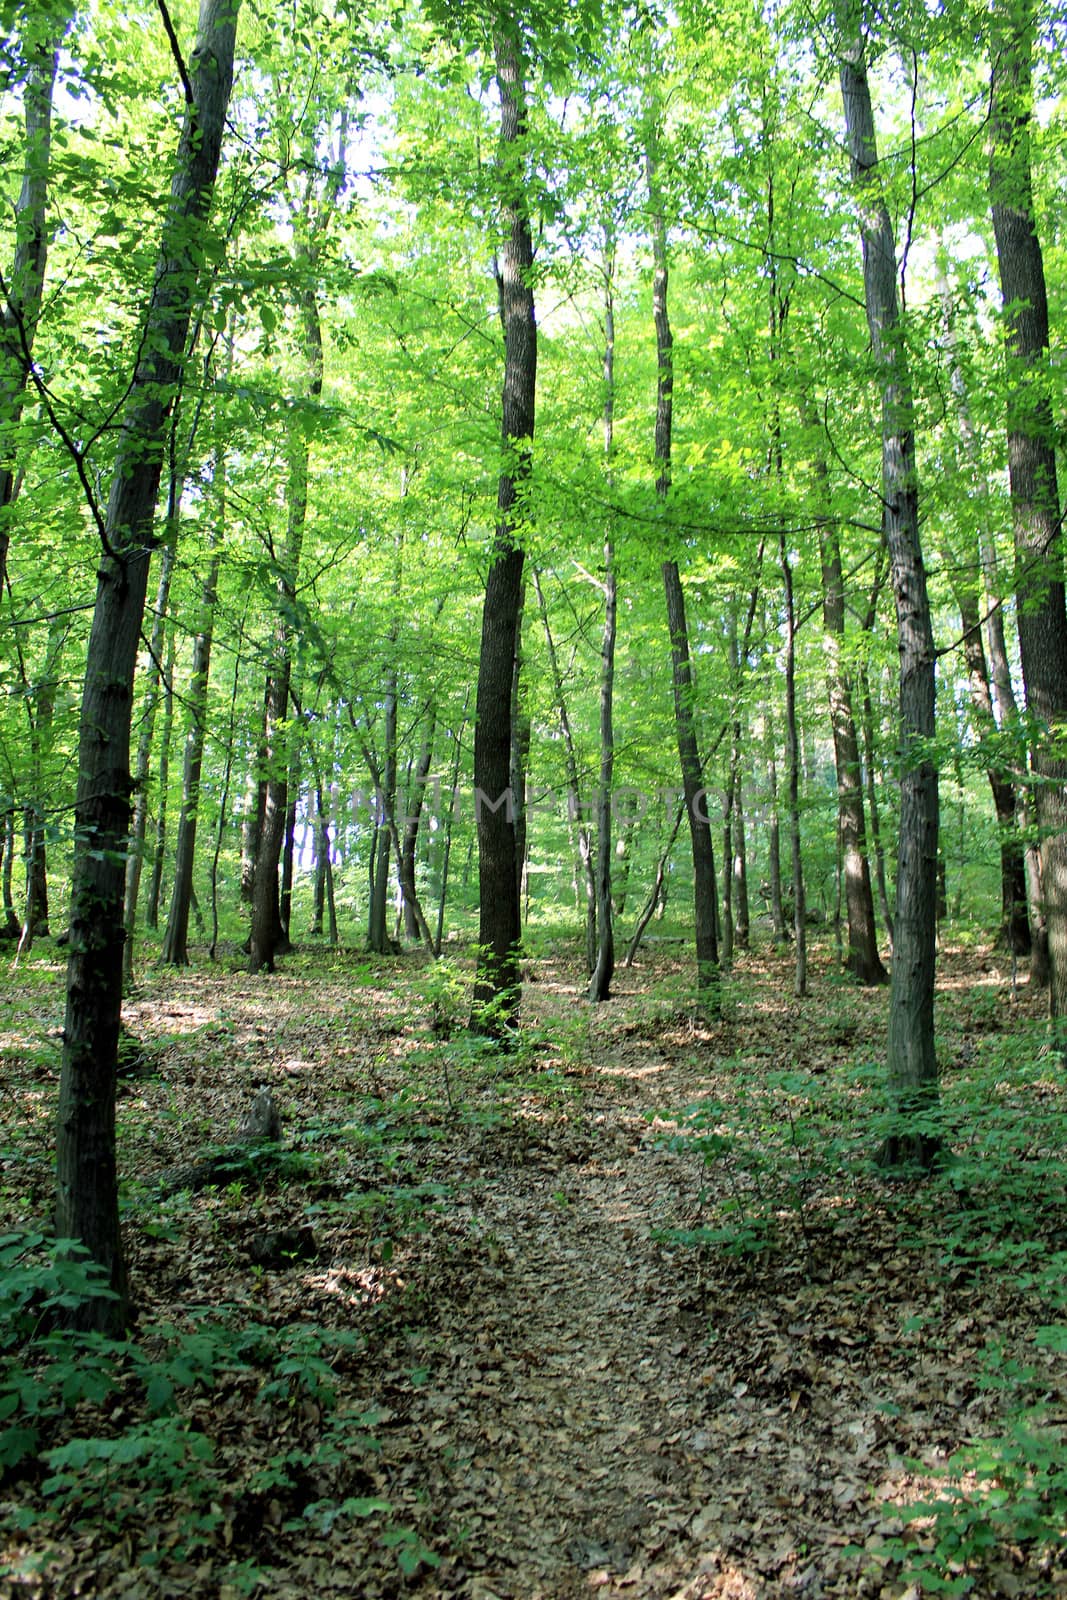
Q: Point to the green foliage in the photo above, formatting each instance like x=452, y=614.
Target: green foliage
x=995, y=1493
x=767, y=1153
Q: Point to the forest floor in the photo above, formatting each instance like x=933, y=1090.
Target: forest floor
x=627, y=1312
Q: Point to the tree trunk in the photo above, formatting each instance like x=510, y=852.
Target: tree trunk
x=383, y=776
x=800, y=922
x=87, y=1187
x=450, y=814
x=159, y=854
x=603, y=914
x=23, y=292
x=175, y=939
x=285, y=888
x=269, y=936
x=142, y=771
x=574, y=792
x=912, y=1062
x=1039, y=589
x=863, y=960
x=412, y=819
x=704, y=892
x=965, y=577
x=497, y=986
x=656, y=891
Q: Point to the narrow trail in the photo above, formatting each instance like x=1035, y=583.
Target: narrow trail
x=581, y=1425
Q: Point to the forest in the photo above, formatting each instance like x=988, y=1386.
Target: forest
x=533, y=798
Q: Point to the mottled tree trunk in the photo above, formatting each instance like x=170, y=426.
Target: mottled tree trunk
x=87, y=1181
x=912, y=1061
x=497, y=986
x=1039, y=588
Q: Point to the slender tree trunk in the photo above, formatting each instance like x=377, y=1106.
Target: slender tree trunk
x=222, y=819
x=912, y=1062
x=159, y=854
x=1039, y=588
x=603, y=912
x=966, y=578
x=143, y=768
x=10, y=927
x=412, y=820
x=704, y=892
x=175, y=939
x=519, y=765
x=383, y=776
x=23, y=292
x=87, y=1186
x=497, y=986
x=655, y=894
x=285, y=890
x=446, y=852
x=774, y=856
x=863, y=960
x=574, y=791
x=800, y=911
x=269, y=936
x=742, y=924
x=40, y=700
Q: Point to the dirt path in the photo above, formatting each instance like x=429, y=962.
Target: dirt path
x=546, y=1398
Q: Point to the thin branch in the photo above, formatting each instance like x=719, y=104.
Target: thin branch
x=175, y=50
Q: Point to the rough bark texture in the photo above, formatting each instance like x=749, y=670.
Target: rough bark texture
x=912, y=1063
x=1039, y=589
x=87, y=1188
x=496, y=996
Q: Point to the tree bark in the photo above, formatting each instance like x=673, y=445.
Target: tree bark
x=604, y=959
x=800, y=922
x=159, y=852
x=1039, y=588
x=574, y=794
x=142, y=771
x=497, y=985
x=410, y=838
x=704, y=892
x=912, y=1062
x=863, y=960
x=87, y=1186
x=176, y=937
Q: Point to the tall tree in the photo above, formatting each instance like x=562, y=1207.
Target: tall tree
x=912, y=1062
x=87, y=1186
x=704, y=891
x=499, y=929
x=604, y=964
x=1039, y=586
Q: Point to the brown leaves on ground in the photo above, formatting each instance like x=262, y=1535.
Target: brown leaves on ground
x=527, y=1375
